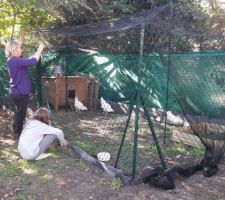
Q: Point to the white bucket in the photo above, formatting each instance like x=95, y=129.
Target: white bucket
x=103, y=156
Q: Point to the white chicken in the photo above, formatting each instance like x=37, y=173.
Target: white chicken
x=79, y=105
x=106, y=107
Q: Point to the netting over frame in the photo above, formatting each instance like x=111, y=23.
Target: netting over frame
x=196, y=79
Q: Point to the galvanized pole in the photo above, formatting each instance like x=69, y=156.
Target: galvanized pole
x=168, y=72
x=137, y=109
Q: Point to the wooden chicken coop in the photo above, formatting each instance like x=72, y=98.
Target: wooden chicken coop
x=60, y=88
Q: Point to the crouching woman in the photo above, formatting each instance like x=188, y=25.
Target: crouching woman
x=38, y=135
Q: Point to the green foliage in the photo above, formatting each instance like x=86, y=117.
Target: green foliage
x=197, y=152
x=3, y=74
x=190, y=16
x=22, y=14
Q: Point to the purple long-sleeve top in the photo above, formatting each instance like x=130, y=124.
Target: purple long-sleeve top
x=19, y=82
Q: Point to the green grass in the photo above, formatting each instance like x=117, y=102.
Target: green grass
x=116, y=183
x=23, y=195
x=92, y=148
x=178, y=148
x=80, y=164
x=218, y=196
x=9, y=170
x=184, y=150
x=12, y=167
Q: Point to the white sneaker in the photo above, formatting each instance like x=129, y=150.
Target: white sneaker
x=43, y=156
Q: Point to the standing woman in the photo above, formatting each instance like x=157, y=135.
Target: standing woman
x=19, y=83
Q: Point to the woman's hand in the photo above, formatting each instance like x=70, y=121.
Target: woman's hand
x=41, y=47
x=63, y=142
x=37, y=54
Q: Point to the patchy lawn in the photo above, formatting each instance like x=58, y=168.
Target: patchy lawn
x=63, y=176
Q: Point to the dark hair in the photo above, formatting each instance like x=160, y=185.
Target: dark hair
x=42, y=114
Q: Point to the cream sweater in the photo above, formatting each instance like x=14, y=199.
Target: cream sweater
x=32, y=135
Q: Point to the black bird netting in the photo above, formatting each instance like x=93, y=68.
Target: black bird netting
x=138, y=69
